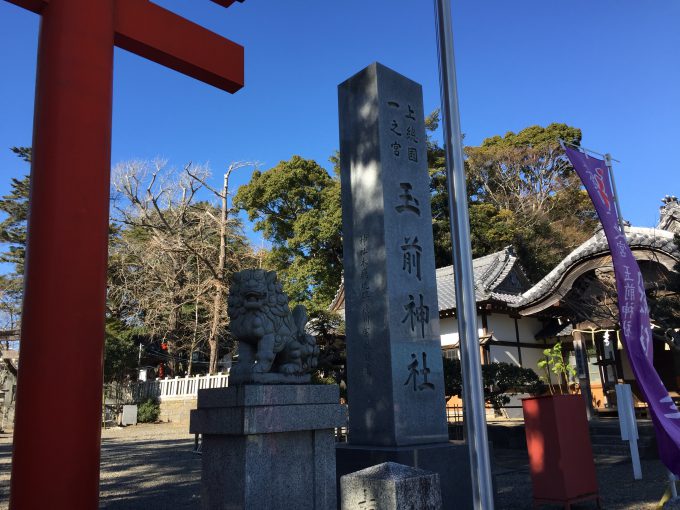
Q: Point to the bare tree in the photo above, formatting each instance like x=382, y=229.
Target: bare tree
x=174, y=254
x=220, y=290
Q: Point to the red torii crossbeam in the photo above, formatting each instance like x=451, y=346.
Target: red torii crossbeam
x=58, y=416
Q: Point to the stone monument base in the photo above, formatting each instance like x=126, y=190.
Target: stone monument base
x=390, y=486
x=268, y=447
x=450, y=460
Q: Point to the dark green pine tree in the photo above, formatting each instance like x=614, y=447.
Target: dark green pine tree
x=13, y=242
x=13, y=226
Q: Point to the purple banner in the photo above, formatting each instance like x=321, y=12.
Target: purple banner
x=636, y=329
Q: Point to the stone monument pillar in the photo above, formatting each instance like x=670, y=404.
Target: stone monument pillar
x=394, y=362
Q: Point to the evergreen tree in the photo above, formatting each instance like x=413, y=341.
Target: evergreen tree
x=521, y=192
x=13, y=226
x=13, y=239
x=296, y=205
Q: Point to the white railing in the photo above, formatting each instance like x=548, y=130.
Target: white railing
x=187, y=386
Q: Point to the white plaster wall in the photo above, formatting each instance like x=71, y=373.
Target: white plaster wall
x=504, y=354
x=528, y=327
x=503, y=328
x=449, y=330
x=530, y=358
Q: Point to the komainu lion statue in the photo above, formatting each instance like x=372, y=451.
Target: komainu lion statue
x=273, y=344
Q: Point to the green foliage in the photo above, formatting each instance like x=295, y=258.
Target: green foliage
x=553, y=361
x=522, y=192
x=296, y=206
x=148, y=411
x=540, y=207
x=499, y=380
x=24, y=153
x=329, y=330
x=318, y=378
x=120, y=351
x=13, y=226
x=453, y=378
x=13, y=235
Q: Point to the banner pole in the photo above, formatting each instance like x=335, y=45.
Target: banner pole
x=466, y=308
x=610, y=167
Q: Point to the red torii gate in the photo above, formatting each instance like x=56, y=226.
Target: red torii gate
x=58, y=415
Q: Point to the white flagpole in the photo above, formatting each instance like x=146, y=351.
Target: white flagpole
x=466, y=309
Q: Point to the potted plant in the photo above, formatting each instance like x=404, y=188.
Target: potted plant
x=558, y=439
x=553, y=361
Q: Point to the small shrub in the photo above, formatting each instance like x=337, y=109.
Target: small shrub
x=148, y=411
x=499, y=380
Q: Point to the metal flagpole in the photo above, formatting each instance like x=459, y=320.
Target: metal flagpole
x=582, y=149
x=466, y=310
x=607, y=161
x=610, y=167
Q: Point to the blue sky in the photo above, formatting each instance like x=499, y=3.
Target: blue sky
x=610, y=67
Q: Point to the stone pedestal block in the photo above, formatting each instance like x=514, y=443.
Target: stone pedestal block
x=390, y=486
x=268, y=447
x=129, y=415
x=450, y=461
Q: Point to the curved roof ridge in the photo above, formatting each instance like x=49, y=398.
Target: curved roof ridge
x=498, y=272
x=637, y=237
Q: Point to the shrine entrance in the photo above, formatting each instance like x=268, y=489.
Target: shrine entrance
x=65, y=277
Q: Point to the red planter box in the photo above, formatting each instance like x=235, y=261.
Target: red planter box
x=560, y=454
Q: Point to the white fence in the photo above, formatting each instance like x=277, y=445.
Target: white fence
x=177, y=387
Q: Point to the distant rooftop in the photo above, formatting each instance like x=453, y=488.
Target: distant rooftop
x=498, y=277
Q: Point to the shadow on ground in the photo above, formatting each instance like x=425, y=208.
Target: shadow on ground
x=618, y=490
x=158, y=471
x=149, y=475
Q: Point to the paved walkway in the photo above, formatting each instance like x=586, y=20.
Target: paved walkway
x=151, y=467
x=618, y=490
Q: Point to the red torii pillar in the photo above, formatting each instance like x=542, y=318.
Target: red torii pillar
x=58, y=415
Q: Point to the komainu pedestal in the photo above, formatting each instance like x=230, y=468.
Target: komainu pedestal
x=268, y=447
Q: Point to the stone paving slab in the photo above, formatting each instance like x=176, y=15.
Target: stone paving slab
x=151, y=467
x=618, y=490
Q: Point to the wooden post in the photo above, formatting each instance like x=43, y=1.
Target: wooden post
x=65, y=293
x=65, y=281
x=583, y=372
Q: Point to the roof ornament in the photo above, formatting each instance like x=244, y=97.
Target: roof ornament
x=669, y=214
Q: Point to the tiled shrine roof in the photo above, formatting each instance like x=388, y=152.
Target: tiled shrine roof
x=646, y=243
x=498, y=277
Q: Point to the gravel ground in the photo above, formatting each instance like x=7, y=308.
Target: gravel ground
x=151, y=467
